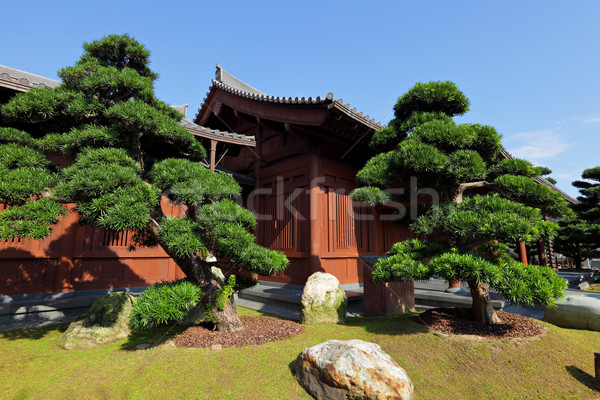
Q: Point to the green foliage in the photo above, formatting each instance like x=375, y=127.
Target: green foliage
x=12, y=135
x=458, y=161
x=164, y=302
x=18, y=185
x=98, y=172
x=48, y=109
x=123, y=208
x=139, y=118
x=192, y=183
x=442, y=97
x=379, y=170
x=127, y=149
x=226, y=211
x=531, y=193
x=466, y=166
x=181, y=236
x=88, y=136
x=512, y=166
x=370, y=195
x=13, y=155
x=483, y=218
x=32, y=219
x=108, y=84
x=417, y=260
x=122, y=52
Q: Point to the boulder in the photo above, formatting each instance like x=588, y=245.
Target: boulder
x=107, y=320
x=351, y=369
x=581, y=312
x=323, y=300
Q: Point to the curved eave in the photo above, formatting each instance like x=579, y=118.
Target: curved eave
x=217, y=90
x=215, y=134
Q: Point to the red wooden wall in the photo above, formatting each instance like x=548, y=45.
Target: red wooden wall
x=79, y=257
x=347, y=230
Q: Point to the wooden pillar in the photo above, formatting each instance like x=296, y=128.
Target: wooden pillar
x=522, y=252
x=315, y=215
x=213, y=154
x=258, y=208
x=541, y=252
x=66, y=247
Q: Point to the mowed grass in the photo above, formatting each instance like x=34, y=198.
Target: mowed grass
x=560, y=365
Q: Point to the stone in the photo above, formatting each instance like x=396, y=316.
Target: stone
x=218, y=274
x=142, y=346
x=106, y=321
x=583, y=285
x=323, y=300
x=581, y=312
x=351, y=369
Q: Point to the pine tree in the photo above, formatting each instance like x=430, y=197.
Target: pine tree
x=579, y=235
x=488, y=201
x=126, y=148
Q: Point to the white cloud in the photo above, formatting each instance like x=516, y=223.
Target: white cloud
x=591, y=120
x=538, y=145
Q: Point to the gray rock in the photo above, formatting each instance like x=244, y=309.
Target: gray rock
x=352, y=369
x=581, y=312
x=583, y=285
x=323, y=300
x=107, y=320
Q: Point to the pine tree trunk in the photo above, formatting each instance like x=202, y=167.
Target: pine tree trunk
x=228, y=320
x=482, y=304
x=199, y=271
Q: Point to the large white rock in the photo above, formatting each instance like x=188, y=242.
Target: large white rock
x=581, y=312
x=352, y=369
x=323, y=300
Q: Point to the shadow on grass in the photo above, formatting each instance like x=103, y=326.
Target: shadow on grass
x=152, y=337
x=583, y=377
x=405, y=324
x=33, y=334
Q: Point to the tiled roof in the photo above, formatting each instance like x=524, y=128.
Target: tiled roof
x=229, y=83
x=216, y=134
x=18, y=79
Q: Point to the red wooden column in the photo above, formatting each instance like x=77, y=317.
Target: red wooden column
x=522, y=252
x=315, y=214
x=542, y=252
x=213, y=154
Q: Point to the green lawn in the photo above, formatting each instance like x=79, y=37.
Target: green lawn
x=557, y=366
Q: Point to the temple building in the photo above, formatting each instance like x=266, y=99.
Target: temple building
x=296, y=159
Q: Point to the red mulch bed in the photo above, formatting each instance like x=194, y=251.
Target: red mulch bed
x=257, y=330
x=459, y=321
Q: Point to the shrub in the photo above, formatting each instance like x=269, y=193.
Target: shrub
x=164, y=302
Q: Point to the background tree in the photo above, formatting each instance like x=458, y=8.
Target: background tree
x=126, y=148
x=579, y=235
x=487, y=201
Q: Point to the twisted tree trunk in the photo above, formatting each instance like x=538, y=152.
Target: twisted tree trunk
x=482, y=304
x=199, y=271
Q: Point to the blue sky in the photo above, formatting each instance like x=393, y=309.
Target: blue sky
x=530, y=69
